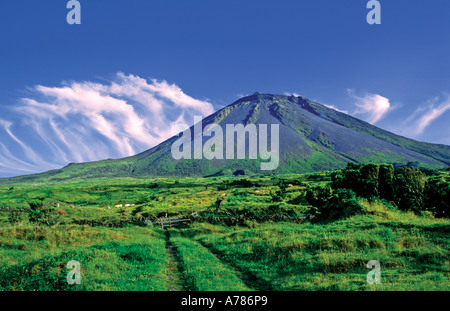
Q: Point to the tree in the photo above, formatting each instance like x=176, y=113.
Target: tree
x=409, y=186
x=369, y=181
x=386, y=181
x=437, y=197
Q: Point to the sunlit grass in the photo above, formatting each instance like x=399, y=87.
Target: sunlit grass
x=111, y=259
x=413, y=253
x=413, y=250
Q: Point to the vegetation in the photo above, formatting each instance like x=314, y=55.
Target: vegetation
x=406, y=189
x=202, y=270
x=282, y=232
x=111, y=259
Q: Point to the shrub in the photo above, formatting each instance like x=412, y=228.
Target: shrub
x=318, y=196
x=242, y=182
x=41, y=214
x=36, y=204
x=329, y=204
x=14, y=216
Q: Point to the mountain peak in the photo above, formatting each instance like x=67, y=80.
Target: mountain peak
x=271, y=99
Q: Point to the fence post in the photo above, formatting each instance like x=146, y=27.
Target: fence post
x=170, y=223
x=162, y=226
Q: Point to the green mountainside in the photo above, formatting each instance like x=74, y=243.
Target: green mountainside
x=312, y=138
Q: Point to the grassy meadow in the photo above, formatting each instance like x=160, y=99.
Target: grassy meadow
x=251, y=233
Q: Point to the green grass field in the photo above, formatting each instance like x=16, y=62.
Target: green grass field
x=250, y=235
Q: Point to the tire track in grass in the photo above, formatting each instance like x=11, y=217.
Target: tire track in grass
x=174, y=274
x=245, y=275
x=203, y=271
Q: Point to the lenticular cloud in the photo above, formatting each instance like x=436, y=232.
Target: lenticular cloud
x=87, y=121
x=371, y=107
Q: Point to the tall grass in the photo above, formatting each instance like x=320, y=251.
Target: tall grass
x=413, y=252
x=110, y=259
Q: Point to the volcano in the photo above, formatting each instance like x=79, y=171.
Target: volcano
x=312, y=138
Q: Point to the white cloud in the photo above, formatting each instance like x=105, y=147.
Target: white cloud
x=240, y=95
x=292, y=94
x=425, y=116
x=337, y=109
x=371, y=107
x=430, y=115
x=87, y=121
x=29, y=152
x=426, y=122
x=9, y=162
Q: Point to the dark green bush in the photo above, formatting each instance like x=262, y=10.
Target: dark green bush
x=36, y=204
x=386, y=181
x=437, y=197
x=407, y=188
x=319, y=196
x=329, y=204
x=367, y=181
x=42, y=214
x=242, y=182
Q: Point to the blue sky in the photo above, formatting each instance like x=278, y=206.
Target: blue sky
x=72, y=93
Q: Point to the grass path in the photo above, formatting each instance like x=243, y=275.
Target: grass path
x=202, y=270
x=175, y=279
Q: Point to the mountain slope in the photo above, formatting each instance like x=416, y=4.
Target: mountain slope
x=312, y=137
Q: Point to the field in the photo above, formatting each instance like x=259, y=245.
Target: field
x=251, y=233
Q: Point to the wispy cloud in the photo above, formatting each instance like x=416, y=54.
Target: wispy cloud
x=424, y=116
x=87, y=121
x=433, y=112
x=370, y=107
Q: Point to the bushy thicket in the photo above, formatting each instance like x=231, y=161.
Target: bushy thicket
x=407, y=189
x=330, y=204
x=43, y=213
